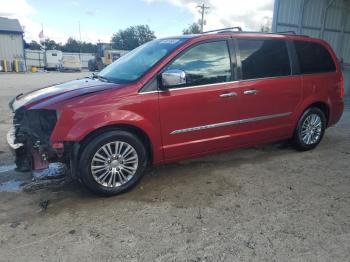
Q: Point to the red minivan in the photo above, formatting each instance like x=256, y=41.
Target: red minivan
x=178, y=98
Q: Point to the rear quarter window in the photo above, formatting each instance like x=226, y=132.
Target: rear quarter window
x=313, y=58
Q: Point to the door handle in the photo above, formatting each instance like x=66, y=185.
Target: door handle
x=231, y=94
x=250, y=92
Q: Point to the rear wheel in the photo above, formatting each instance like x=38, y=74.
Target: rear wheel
x=113, y=163
x=310, y=129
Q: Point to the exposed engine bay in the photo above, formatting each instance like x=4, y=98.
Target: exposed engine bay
x=31, y=138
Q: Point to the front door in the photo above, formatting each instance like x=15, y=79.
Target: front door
x=199, y=117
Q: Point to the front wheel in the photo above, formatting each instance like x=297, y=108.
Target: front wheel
x=113, y=163
x=310, y=129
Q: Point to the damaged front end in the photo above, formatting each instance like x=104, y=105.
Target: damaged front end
x=36, y=137
x=29, y=139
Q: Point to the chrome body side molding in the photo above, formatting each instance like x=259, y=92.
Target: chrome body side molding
x=230, y=123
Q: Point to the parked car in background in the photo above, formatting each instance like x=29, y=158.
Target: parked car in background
x=178, y=98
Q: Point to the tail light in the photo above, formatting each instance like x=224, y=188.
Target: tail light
x=342, y=87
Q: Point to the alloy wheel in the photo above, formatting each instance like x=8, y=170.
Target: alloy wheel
x=114, y=164
x=311, y=129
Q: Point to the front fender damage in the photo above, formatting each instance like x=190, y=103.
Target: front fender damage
x=29, y=139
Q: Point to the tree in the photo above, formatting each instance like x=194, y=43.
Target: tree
x=72, y=46
x=51, y=44
x=265, y=29
x=132, y=37
x=34, y=45
x=75, y=46
x=192, y=29
x=265, y=26
x=88, y=48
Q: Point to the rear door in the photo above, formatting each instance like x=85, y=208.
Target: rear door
x=269, y=94
x=199, y=117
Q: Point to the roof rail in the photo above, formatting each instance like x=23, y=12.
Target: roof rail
x=239, y=30
x=228, y=29
x=291, y=32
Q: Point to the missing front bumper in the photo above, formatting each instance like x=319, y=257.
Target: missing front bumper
x=29, y=138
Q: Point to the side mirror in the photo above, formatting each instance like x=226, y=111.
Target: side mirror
x=173, y=77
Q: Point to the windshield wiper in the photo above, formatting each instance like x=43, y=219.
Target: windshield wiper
x=102, y=78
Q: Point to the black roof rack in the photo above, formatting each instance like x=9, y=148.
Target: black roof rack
x=240, y=31
x=287, y=32
x=225, y=30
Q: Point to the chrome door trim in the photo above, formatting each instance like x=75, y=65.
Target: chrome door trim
x=201, y=86
x=230, y=123
x=188, y=87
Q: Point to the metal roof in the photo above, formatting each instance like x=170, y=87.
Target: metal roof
x=10, y=25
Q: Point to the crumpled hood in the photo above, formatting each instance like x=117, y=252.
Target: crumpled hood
x=60, y=92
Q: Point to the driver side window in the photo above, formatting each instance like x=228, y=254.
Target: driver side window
x=207, y=63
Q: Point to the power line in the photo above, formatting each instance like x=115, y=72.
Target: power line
x=202, y=9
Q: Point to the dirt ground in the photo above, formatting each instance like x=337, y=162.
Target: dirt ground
x=268, y=203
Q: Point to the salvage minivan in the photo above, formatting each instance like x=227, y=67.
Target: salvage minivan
x=178, y=98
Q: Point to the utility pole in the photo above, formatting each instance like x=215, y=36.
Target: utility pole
x=202, y=9
x=42, y=40
x=80, y=42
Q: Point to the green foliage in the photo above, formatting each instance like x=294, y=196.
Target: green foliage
x=192, y=29
x=88, y=48
x=72, y=46
x=34, y=45
x=75, y=46
x=127, y=39
x=51, y=44
x=132, y=37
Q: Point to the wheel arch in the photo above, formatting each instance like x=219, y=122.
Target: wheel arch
x=141, y=134
x=324, y=107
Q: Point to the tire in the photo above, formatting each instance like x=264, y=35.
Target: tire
x=117, y=180
x=310, y=129
x=92, y=65
x=99, y=65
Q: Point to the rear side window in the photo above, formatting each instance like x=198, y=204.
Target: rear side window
x=206, y=63
x=313, y=58
x=263, y=58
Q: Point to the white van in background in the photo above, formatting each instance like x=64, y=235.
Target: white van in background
x=53, y=59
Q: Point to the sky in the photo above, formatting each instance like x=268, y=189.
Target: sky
x=99, y=20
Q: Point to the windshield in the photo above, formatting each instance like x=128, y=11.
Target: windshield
x=136, y=63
